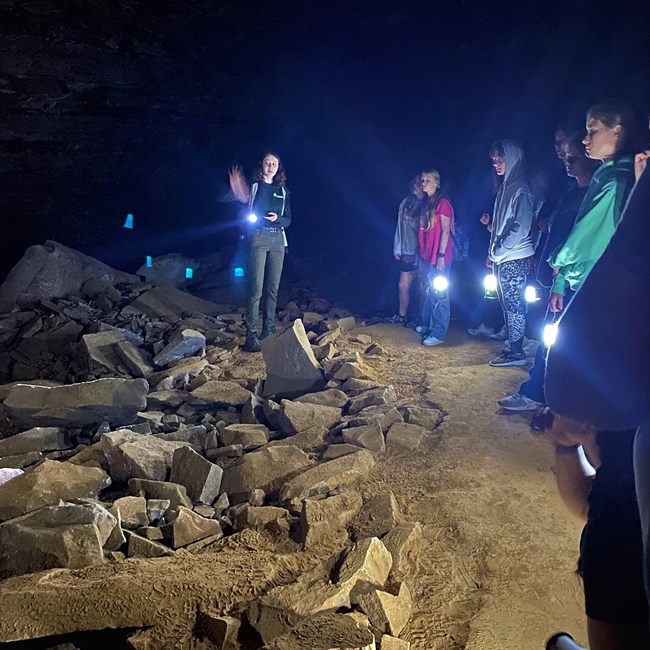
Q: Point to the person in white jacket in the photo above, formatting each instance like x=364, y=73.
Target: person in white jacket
x=511, y=245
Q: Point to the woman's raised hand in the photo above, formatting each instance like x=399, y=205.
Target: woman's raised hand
x=485, y=219
x=238, y=184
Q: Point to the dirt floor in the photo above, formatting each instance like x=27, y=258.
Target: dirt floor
x=496, y=567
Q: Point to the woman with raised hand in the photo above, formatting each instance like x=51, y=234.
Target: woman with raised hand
x=270, y=214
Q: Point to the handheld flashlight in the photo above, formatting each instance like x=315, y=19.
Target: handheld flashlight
x=252, y=218
x=490, y=286
x=549, y=336
x=530, y=294
x=440, y=284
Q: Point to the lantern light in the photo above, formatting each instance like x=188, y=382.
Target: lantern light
x=252, y=218
x=550, y=334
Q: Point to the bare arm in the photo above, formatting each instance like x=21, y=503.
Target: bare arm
x=445, y=225
x=238, y=184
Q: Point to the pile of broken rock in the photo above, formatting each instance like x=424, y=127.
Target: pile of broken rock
x=130, y=433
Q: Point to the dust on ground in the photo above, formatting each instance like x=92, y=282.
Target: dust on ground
x=496, y=567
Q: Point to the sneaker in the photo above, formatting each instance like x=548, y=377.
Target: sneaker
x=508, y=358
x=431, y=340
x=267, y=330
x=481, y=330
x=519, y=402
x=422, y=329
x=501, y=335
x=252, y=342
x=530, y=347
x=396, y=320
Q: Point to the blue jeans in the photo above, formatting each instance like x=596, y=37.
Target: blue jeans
x=436, y=312
x=265, y=261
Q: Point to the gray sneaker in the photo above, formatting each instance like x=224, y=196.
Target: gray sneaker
x=501, y=335
x=481, y=330
x=519, y=402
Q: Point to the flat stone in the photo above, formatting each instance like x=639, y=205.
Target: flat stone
x=375, y=349
x=219, y=394
x=262, y=518
x=222, y=631
x=189, y=527
x=391, y=643
x=272, y=414
x=403, y=543
x=267, y=469
x=336, y=451
x=323, y=478
x=166, y=399
x=347, y=323
x=184, y=343
x=363, y=338
x=20, y=461
x=245, y=435
x=168, y=301
x=291, y=367
x=351, y=369
x=354, y=386
x=132, y=512
x=367, y=564
x=373, y=397
x=178, y=374
x=141, y=547
x=116, y=401
x=101, y=350
x=138, y=361
x=330, y=397
x=160, y=490
x=296, y=417
x=152, y=533
x=327, y=519
x=403, y=437
x=380, y=514
x=386, y=416
x=387, y=612
x=201, y=478
x=47, y=484
x=323, y=352
x=429, y=418
x=369, y=437
x=36, y=439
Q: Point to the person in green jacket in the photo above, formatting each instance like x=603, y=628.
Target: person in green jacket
x=611, y=136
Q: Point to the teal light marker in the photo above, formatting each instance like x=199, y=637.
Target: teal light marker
x=238, y=272
x=149, y=262
x=128, y=222
x=189, y=273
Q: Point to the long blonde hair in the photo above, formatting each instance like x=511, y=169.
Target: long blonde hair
x=431, y=202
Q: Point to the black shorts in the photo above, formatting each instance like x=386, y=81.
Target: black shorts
x=407, y=268
x=611, y=549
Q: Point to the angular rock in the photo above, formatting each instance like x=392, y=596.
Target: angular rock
x=391, y=643
x=330, y=397
x=253, y=411
x=222, y=631
x=338, y=450
x=54, y=271
x=245, y=435
x=156, y=509
x=101, y=351
x=366, y=565
x=369, y=437
x=219, y=394
x=132, y=512
x=403, y=544
x=291, y=367
x=20, y=461
x=189, y=527
x=387, y=612
x=429, y=418
x=263, y=518
x=326, y=520
x=137, y=361
x=166, y=399
x=47, y=484
x=354, y=386
x=272, y=414
x=385, y=415
x=296, y=417
x=177, y=375
x=201, y=478
x=36, y=439
x=351, y=369
x=142, y=547
x=323, y=352
x=174, y=493
x=380, y=514
x=161, y=302
x=325, y=477
x=8, y=473
x=375, y=349
x=374, y=397
x=403, y=437
x=347, y=323
x=116, y=401
x=184, y=343
x=266, y=469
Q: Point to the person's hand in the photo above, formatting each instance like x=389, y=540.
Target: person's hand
x=271, y=216
x=485, y=219
x=556, y=302
x=397, y=257
x=440, y=264
x=238, y=183
x=544, y=225
x=640, y=162
x=555, y=271
x=489, y=227
x=489, y=263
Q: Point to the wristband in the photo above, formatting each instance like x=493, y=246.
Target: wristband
x=440, y=255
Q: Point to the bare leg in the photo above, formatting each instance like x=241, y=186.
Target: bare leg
x=405, y=281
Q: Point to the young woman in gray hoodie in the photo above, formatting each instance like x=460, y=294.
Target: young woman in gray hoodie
x=511, y=245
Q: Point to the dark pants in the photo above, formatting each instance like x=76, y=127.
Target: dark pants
x=265, y=260
x=511, y=277
x=534, y=387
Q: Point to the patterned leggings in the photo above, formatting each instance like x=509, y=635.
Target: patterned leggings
x=511, y=276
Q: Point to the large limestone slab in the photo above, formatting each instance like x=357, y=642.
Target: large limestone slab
x=330, y=397
x=369, y=437
x=101, y=350
x=47, y=484
x=291, y=367
x=403, y=437
x=296, y=417
x=190, y=527
x=380, y=514
x=167, y=301
x=387, y=612
x=37, y=439
x=403, y=543
x=325, y=477
x=116, y=401
x=266, y=469
x=54, y=271
x=219, y=394
x=322, y=521
x=161, y=491
x=201, y=478
x=367, y=564
x=245, y=434
x=374, y=397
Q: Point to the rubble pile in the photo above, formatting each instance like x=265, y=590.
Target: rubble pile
x=130, y=433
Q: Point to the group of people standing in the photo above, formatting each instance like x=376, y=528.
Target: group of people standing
x=423, y=248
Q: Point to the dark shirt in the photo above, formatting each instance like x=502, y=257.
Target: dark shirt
x=270, y=198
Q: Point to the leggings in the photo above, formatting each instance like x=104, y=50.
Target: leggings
x=511, y=276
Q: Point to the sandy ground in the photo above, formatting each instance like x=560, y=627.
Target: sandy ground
x=495, y=570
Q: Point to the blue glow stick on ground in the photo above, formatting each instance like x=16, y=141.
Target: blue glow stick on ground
x=128, y=222
x=189, y=273
x=238, y=272
x=149, y=262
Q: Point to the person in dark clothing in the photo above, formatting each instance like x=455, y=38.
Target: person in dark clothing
x=270, y=214
x=530, y=395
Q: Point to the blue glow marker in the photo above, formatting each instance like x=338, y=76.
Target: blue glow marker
x=238, y=272
x=189, y=273
x=149, y=262
x=128, y=222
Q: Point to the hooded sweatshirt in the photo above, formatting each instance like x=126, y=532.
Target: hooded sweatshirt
x=513, y=218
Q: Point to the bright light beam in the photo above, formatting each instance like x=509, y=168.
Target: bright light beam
x=549, y=335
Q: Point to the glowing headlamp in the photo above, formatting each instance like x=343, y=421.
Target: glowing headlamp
x=440, y=283
x=549, y=335
x=530, y=294
x=490, y=286
x=252, y=218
